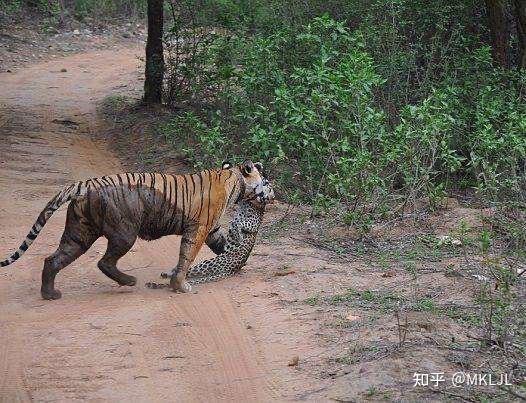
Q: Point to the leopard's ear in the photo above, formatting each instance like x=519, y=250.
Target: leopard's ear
x=247, y=167
x=259, y=167
x=226, y=165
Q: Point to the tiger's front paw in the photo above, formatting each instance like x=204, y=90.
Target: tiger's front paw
x=182, y=287
x=178, y=283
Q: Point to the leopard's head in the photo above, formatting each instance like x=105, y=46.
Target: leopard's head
x=256, y=185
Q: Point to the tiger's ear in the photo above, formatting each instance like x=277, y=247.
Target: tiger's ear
x=247, y=167
x=226, y=165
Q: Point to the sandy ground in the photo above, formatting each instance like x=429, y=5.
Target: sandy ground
x=360, y=317
x=102, y=341
x=32, y=40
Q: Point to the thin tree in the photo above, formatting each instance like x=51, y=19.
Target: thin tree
x=154, y=71
x=500, y=31
x=520, y=15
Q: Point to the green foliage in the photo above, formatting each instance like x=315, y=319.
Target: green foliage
x=425, y=305
x=196, y=139
x=10, y=7
x=501, y=306
x=368, y=299
x=312, y=301
x=321, y=118
x=485, y=241
x=425, y=140
x=42, y=6
x=399, y=101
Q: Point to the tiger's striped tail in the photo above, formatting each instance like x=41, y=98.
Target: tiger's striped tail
x=58, y=200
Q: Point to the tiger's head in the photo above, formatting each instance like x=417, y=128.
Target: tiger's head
x=256, y=185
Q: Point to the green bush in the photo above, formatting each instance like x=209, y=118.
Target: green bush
x=10, y=6
x=198, y=140
x=320, y=119
x=425, y=145
x=399, y=102
x=305, y=101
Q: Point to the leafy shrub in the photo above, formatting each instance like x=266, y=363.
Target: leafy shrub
x=10, y=6
x=498, y=142
x=501, y=305
x=294, y=107
x=197, y=53
x=198, y=140
x=425, y=141
x=370, y=118
x=321, y=118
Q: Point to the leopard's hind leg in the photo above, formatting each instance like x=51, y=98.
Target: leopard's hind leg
x=216, y=240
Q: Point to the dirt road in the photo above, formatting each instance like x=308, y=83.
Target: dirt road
x=100, y=341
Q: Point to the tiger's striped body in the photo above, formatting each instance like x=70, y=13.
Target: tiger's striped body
x=154, y=204
x=146, y=205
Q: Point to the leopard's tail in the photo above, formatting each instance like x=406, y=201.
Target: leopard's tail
x=65, y=195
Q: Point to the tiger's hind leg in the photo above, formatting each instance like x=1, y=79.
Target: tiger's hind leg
x=77, y=238
x=66, y=253
x=118, y=246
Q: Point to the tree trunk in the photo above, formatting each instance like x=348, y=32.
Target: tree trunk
x=499, y=30
x=520, y=14
x=154, y=71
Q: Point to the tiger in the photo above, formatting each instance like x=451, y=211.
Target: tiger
x=125, y=206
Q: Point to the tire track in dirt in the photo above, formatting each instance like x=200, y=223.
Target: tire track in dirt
x=100, y=341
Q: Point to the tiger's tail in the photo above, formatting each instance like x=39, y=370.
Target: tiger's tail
x=58, y=200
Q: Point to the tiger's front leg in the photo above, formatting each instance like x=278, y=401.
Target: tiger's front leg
x=190, y=245
x=216, y=241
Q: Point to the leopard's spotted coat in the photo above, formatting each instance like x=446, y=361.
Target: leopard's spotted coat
x=238, y=244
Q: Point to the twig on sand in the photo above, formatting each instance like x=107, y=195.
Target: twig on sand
x=454, y=395
x=140, y=267
x=512, y=392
